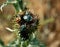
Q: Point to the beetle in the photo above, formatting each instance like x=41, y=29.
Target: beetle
x=28, y=24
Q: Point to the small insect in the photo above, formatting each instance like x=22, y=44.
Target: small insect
x=28, y=23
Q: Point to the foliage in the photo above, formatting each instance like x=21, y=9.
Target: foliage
x=18, y=42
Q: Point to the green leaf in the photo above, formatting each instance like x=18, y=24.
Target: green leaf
x=1, y=42
x=16, y=5
x=20, y=4
x=42, y=45
x=11, y=1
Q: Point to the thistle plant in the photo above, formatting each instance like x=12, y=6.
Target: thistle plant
x=24, y=26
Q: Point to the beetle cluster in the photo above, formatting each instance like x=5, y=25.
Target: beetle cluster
x=28, y=24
